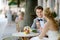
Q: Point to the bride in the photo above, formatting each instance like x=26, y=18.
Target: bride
x=50, y=28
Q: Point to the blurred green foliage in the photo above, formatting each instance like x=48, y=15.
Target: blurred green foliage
x=54, y=14
x=14, y=2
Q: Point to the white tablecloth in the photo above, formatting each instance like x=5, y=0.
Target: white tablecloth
x=21, y=34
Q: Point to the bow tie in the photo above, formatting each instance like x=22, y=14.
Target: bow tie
x=40, y=19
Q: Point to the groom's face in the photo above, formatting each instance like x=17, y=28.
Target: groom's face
x=39, y=13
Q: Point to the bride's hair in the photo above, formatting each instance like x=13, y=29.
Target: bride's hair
x=48, y=13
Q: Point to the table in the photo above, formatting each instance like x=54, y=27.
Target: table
x=25, y=36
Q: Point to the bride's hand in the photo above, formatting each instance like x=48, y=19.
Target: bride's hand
x=39, y=38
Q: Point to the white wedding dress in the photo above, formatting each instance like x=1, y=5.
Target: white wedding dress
x=52, y=35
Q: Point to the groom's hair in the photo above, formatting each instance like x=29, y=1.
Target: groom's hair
x=38, y=7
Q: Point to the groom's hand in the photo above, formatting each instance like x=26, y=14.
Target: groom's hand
x=38, y=24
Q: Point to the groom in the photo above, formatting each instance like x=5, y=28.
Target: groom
x=38, y=22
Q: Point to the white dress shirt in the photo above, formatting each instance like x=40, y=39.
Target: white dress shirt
x=42, y=22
